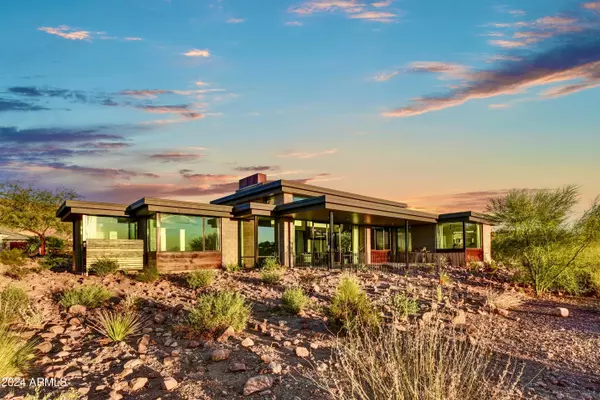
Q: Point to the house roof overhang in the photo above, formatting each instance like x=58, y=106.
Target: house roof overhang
x=285, y=186
x=149, y=205
x=354, y=211
x=253, y=209
x=465, y=216
x=70, y=209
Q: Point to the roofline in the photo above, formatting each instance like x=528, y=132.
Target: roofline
x=69, y=207
x=153, y=204
x=287, y=186
x=469, y=216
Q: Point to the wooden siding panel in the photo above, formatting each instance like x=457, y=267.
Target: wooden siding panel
x=168, y=262
x=128, y=253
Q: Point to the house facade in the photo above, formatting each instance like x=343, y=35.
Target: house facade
x=299, y=224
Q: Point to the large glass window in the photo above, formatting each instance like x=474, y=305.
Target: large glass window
x=266, y=237
x=473, y=234
x=109, y=228
x=381, y=239
x=151, y=233
x=247, y=241
x=450, y=235
x=189, y=233
x=402, y=240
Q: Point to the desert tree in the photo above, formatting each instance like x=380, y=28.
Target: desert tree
x=33, y=209
x=538, y=231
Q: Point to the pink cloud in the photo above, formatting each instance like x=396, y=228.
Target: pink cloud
x=594, y=5
x=384, y=76
x=303, y=155
x=66, y=32
x=382, y=4
x=378, y=16
x=197, y=53
x=507, y=44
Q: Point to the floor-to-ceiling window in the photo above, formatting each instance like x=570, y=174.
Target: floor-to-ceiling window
x=473, y=235
x=247, y=242
x=266, y=243
x=189, y=233
x=450, y=236
x=97, y=227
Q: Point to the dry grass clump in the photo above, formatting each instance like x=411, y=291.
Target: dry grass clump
x=425, y=362
x=218, y=311
x=13, y=302
x=12, y=257
x=200, y=279
x=350, y=306
x=91, y=296
x=403, y=306
x=503, y=301
x=16, y=354
x=294, y=300
x=117, y=326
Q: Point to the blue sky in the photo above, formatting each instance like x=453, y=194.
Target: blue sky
x=441, y=104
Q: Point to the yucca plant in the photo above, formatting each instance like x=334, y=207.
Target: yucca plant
x=13, y=302
x=117, y=326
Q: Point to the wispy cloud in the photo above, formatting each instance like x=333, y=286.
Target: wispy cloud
x=303, y=155
x=498, y=106
x=446, y=70
x=351, y=8
x=258, y=168
x=105, y=173
x=455, y=202
x=66, y=32
x=235, y=20
x=197, y=53
x=145, y=93
x=201, y=83
x=133, y=39
x=594, y=5
x=17, y=105
x=385, y=76
x=207, y=179
x=507, y=44
x=180, y=156
x=378, y=16
x=294, y=23
x=576, y=56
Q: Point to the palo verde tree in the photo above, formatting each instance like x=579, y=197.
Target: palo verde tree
x=538, y=232
x=32, y=209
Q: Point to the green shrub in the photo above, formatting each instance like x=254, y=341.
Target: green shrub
x=12, y=257
x=350, y=306
x=91, y=296
x=16, y=354
x=232, y=267
x=148, y=275
x=13, y=302
x=294, y=300
x=18, y=273
x=402, y=306
x=104, y=266
x=217, y=311
x=594, y=283
x=117, y=326
x=200, y=279
x=56, y=261
x=271, y=276
x=269, y=264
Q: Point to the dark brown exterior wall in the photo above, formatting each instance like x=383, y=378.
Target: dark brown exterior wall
x=168, y=262
x=423, y=236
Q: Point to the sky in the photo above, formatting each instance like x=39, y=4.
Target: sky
x=439, y=104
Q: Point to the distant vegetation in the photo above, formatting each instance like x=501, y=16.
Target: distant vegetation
x=537, y=236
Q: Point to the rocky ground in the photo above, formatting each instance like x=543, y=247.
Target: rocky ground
x=276, y=352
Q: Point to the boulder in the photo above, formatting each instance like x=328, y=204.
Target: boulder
x=220, y=354
x=226, y=335
x=77, y=309
x=247, y=342
x=561, y=312
x=302, y=352
x=169, y=383
x=460, y=318
x=138, y=383
x=237, y=367
x=257, y=384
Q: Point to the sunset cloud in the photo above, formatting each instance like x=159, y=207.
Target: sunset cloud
x=384, y=76
x=594, y=5
x=177, y=157
x=576, y=57
x=258, y=168
x=351, y=8
x=133, y=39
x=235, y=20
x=148, y=93
x=303, y=155
x=381, y=4
x=379, y=16
x=294, y=23
x=197, y=53
x=66, y=32
x=507, y=44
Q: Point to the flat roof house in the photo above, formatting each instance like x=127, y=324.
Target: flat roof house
x=300, y=224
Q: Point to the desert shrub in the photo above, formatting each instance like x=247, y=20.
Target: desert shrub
x=424, y=362
x=294, y=300
x=16, y=354
x=439, y=293
x=148, y=275
x=54, y=245
x=271, y=276
x=18, y=273
x=594, y=282
x=504, y=300
x=56, y=261
x=200, y=279
x=218, y=311
x=350, y=306
x=13, y=302
x=91, y=296
x=117, y=326
x=34, y=316
x=72, y=394
x=104, y=266
x=232, y=267
x=403, y=306
x=445, y=278
x=269, y=264
x=12, y=257
x=130, y=302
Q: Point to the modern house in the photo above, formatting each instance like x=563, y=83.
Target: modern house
x=12, y=240
x=299, y=224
